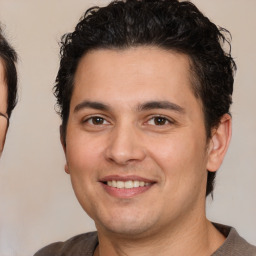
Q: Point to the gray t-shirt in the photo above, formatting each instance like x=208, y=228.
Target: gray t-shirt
x=85, y=244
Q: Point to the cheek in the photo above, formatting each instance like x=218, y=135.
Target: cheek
x=81, y=149
x=82, y=157
x=173, y=150
x=181, y=157
x=183, y=167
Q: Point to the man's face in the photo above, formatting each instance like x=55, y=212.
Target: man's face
x=135, y=122
x=3, y=107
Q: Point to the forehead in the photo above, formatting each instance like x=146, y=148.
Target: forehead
x=149, y=59
x=140, y=69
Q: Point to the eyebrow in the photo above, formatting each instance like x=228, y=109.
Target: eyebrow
x=141, y=107
x=91, y=104
x=161, y=105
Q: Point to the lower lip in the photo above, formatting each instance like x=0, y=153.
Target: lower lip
x=125, y=192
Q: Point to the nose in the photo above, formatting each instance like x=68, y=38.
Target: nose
x=125, y=145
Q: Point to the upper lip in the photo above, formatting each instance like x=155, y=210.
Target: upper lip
x=125, y=178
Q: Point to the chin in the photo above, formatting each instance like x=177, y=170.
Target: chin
x=126, y=226
x=129, y=231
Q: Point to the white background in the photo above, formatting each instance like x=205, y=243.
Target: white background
x=37, y=204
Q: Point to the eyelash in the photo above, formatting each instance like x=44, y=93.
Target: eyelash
x=94, y=118
x=166, y=121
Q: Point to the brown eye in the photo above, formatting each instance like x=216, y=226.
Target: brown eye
x=160, y=120
x=97, y=120
x=95, y=123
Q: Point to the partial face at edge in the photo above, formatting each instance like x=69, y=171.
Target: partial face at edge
x=134, y=118
x=3, y=107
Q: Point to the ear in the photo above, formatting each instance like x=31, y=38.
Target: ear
x=66, y=169
x=219, y=143
x=2, y=139
x=63, y=143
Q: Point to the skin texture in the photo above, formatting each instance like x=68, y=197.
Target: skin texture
x=3, y=107
x=123, y=136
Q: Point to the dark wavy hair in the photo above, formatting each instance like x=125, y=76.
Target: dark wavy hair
x=8, y=57
x=167, y=24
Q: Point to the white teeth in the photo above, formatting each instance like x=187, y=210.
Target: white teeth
x=114, y=183
x=136, y=184
x=127, y=184
x=120, y=184
x=142, y=183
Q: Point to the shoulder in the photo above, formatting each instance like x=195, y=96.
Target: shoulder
x=83, y=244
x=234, y=245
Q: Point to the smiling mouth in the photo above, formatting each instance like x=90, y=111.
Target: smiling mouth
x=127, y=184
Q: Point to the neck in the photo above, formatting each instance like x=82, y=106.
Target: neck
x=197, y=238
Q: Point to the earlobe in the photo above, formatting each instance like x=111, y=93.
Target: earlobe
x=219, y=143
x=66, y=169
x=3, y=142
x=62, y=140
